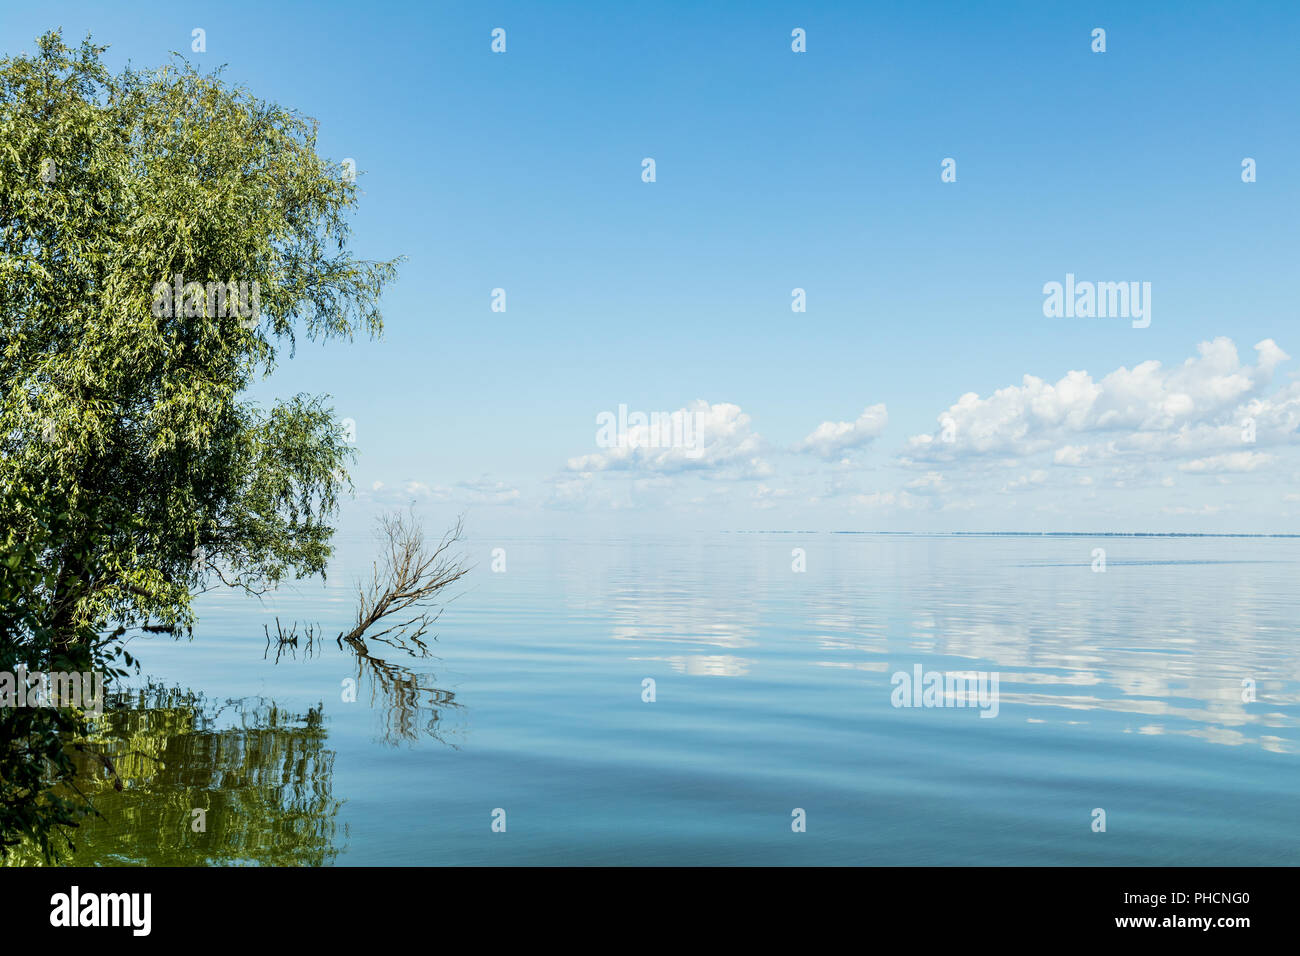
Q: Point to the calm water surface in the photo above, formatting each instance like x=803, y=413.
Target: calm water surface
x=1120, y=691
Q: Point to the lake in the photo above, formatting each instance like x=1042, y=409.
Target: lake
x=1126, y=691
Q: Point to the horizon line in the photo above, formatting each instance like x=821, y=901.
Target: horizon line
x=1049, y=534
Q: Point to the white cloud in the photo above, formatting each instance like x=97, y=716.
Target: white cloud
x=830, y=440
x=1196, y=409
x=723, y=440
x=884, y=499
x=1069, y=455
x=931, y=483
x=1203, y=511
x=1031, y=480
x=480, y=491
x=1232, y=461
x=420, y=489
x=765, y=497
x=487, y=491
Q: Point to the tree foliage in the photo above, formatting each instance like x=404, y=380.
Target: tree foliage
x=129, y=421
x=133, y=471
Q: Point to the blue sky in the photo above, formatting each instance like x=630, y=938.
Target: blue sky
x=817, y=170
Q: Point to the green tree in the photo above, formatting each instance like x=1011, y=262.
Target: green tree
x=120, y=402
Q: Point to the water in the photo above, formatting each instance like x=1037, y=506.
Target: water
x=1120, y=690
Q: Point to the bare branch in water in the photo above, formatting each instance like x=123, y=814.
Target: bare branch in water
x=405, y=583
x=289, y=639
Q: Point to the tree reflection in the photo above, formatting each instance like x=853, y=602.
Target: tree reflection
x=408, y=703
x=262, y=777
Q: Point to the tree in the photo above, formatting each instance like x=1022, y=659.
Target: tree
x=163, y=235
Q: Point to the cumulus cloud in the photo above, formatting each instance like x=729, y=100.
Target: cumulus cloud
x=1200, y=409
x=699, y=437
x=1070, y=455
x=830, y=440
x=1232, y=461
x=572, y=492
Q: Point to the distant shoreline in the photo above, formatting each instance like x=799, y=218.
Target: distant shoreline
x=1041, y=534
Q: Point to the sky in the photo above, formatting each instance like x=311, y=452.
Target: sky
x=923, y=387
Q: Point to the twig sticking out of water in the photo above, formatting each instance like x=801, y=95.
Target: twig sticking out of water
x=406, y=581
x=288, y=639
